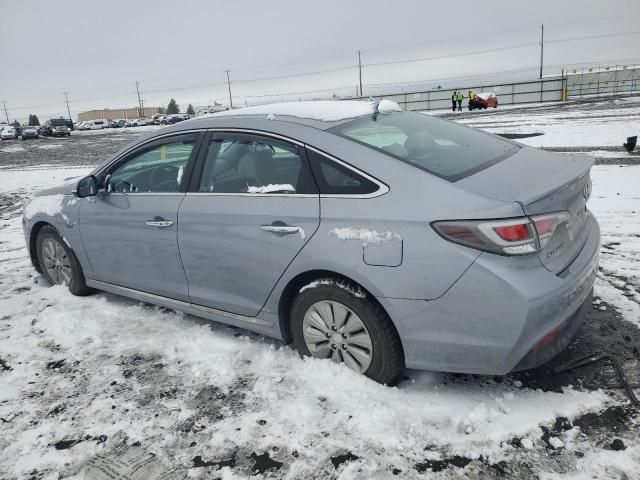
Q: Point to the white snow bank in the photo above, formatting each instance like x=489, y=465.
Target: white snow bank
x=12, y=149
x=325, y=110
x=51, y=146
x=35, y=179
x=272, y=188
x=48, y=204
x=368, y=237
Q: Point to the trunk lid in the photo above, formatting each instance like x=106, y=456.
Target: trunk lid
x=543, y=182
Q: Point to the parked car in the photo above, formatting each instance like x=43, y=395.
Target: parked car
x=159, y=119
x=374, y=237
x=55, y=127
x=95, y=124
x=8, y=133
x=29, y=132
x=82, y=126
x=175, y=118
x=483, y=100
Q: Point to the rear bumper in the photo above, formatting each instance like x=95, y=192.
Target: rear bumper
x=565, y=333
x=491, y=319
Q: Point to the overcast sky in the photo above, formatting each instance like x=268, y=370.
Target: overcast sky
x=96, y=50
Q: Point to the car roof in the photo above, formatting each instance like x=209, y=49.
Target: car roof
x=321, y=115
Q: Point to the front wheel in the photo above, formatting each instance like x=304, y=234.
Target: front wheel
x=58, y=262
x=337, y=320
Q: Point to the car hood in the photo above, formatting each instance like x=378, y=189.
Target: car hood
x=65, y=188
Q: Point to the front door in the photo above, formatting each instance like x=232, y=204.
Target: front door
x=129, y=231
x=252, y=206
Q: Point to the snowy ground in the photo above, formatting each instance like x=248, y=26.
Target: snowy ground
x=596, y=126
x=101, y=383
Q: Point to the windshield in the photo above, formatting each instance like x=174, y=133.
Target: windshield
x=442, y=148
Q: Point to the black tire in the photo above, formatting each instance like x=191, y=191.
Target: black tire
x=78, y=285
x=387, y=361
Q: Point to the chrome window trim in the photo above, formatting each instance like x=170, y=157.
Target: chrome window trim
x=192, y=308
x=382, y=187
x=149, y=140
x=142, y=193
x=245, y=194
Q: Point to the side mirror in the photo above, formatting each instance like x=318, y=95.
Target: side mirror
x=87, y=187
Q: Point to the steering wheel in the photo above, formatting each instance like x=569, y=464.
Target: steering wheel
x=164, y=178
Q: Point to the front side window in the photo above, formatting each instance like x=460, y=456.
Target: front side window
x=443, y=148
x=257, y=165
x=157, y=169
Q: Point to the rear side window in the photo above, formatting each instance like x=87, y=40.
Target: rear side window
x=442, y=148
x=240, y=163
x=335, y=179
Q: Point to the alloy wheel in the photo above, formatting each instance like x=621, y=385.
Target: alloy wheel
x=56, y=261
x=333, y=330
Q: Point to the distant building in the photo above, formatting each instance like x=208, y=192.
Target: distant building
x=117, y=113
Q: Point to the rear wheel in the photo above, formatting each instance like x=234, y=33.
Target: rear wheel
x=337, y=320
x=58, y=262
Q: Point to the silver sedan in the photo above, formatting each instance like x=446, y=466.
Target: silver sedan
x=372, y=237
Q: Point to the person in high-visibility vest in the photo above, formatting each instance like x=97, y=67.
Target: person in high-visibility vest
x=459, y=99
x=454, y=99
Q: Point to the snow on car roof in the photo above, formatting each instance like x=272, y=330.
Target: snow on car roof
x=486, y=95
x=323, y=110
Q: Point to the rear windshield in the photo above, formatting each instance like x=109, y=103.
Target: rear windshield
x=442, y=148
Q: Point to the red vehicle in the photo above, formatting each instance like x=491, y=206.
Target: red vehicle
x=483, y=100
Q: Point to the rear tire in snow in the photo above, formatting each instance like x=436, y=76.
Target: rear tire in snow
x=342, y=323
x=54, y=252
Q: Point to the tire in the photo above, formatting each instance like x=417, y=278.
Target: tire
x=385, y=357
x=49, y=236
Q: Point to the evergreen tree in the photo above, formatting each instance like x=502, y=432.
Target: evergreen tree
x=173, y=107
x=33, y=120
x=190, y=110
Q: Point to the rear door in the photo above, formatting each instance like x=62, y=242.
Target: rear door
x=129, y=232
x=252, y=206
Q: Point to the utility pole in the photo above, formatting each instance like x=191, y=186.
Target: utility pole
x=5, y=111
x=360, y=70
x=229, y=86
x=541, y=48
x=140, y=111
x=66, y=98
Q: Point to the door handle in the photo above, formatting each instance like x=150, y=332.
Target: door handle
x=158, y=222
x=280, y=228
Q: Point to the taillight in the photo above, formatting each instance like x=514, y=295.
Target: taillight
x=514, y=236
x=546, y=225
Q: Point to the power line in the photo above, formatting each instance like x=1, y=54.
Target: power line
x=5, y=110
x=592, y=37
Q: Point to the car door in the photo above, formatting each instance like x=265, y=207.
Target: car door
x=129, y=230
x=251, y=207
